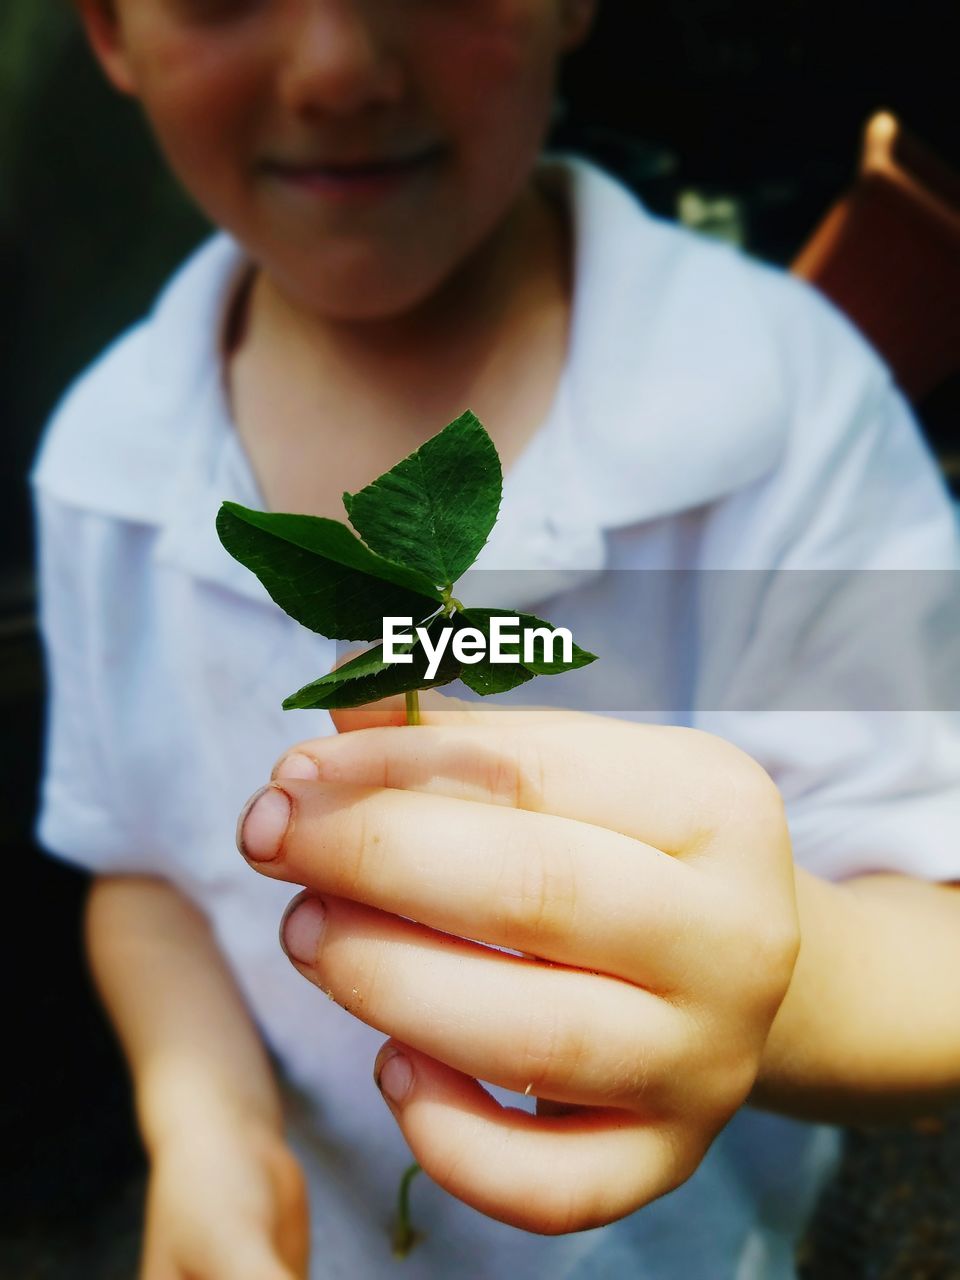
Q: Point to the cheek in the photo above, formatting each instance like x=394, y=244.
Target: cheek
x=201, y=96
x=493, y=77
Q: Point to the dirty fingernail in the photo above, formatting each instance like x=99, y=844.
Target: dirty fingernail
x=263, y=824
x=393, y=1076
x=303, y=929
x=297, y=765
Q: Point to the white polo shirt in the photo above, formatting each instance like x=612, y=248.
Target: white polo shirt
x=714, y=415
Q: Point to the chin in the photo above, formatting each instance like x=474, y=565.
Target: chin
x=362, y=296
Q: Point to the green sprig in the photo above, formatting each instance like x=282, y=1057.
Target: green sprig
x=416, y=530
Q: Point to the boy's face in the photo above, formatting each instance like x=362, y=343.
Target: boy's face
x=359, y=149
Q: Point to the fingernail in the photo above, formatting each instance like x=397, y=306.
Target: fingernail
x=393, y=1076
x=297, y=765
x=303, y=929
x=263, y=824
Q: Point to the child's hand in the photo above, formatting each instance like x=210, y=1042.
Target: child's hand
x=645, y=875
x=226, y=1201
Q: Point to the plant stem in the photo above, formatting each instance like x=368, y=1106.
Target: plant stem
x=404, y=1236
x=412, y=700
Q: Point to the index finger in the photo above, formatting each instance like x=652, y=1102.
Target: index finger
x=684, y=792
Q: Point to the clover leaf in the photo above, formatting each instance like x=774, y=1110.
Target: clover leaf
x=367, y=678
x=319, y=572
x=487, y=677
x=420, y=525
x=434, y=510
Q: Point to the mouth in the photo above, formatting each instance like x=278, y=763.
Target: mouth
x=365, y=176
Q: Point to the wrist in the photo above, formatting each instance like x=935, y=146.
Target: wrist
x=867, y=1031
x=809, y=1054
x=186, y=1099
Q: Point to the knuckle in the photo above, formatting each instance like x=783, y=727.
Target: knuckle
x=768, y=965
x=363, y=848
x=709, y=1074
x=739, y=779
x=751, y=783
x=553, y=1048
x=757, y=795
x=765, y=955
x=683, y=1154
x=781, y=948
x=515, y=772
x=538, y=896
x=729, y=1083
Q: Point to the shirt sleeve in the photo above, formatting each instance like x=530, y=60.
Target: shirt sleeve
x=78, y=818
x=839, y=667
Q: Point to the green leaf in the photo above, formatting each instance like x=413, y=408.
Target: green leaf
x=367, y=678
x=486, y=677
x=321, y=574
x=538, y=666
x=434, y=510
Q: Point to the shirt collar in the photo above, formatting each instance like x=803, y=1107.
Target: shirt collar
x=675, y=400
x=186, y=360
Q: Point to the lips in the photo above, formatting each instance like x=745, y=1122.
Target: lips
x=352, y=168
x=351, y=181
x=355, y=168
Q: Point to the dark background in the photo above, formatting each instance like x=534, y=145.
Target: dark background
x=762, y=102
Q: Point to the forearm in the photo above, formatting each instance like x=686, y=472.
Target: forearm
x=869, y=1031
x=185, y=1030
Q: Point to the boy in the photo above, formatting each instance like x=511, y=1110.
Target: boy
x=404, y=255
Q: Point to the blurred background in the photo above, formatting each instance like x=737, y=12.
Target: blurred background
x=739, y=118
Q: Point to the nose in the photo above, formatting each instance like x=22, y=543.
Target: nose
x=340, y=57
